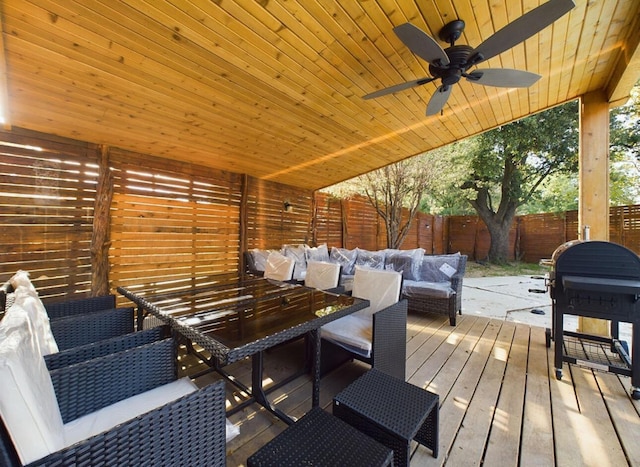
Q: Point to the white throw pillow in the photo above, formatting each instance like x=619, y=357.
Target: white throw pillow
x=28, y=403
x=21, y=278
x=29, y=300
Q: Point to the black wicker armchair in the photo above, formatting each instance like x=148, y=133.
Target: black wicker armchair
x=187, y=431
x=422, y=299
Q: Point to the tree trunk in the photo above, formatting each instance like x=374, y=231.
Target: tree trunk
x=499, y=250
x=498, y=223
x=100, y=238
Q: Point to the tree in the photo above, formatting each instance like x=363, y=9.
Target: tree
x=624, y=150
x=443, y=196
x=393, y=188
x=625, y=130
x=509, y=163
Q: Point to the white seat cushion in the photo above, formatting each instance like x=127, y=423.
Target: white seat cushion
x=427, y=289
x=355, y=332
x=28, y=403
x=102, y=420
x=115, y=414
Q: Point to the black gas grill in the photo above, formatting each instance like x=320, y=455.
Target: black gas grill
x=601, y=280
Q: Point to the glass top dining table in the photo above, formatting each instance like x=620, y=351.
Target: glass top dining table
x=237, y=318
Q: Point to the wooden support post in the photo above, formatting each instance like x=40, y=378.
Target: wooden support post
x=593, y=199
x=244, y=243
x=100, y=238
x=4, y=83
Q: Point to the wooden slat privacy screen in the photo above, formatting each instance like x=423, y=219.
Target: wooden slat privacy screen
x=269, y=223
x=172, y=226
x=47, y=190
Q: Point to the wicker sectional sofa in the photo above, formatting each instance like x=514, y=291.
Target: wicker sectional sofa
x=431, y=283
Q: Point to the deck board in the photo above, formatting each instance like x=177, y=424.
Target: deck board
x=503, y=445
x=473, y=431
x=500, y=401
x=537, y=431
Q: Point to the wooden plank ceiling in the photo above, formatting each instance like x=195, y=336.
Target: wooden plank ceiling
x=273, y=88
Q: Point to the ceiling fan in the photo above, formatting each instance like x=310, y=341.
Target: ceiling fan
x=452, y=64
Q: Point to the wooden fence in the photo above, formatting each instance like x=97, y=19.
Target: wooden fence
x=353, y=223
x=172, y=223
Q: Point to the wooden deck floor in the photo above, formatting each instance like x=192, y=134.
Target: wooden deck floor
x=501, y=404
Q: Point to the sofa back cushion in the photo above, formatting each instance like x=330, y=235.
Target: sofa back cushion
x=318, y=253
x=370, y=259
x=345, y=258
x=439, y=268
x=406, y=262
x=259, y=258
x=297, y=253
x=28, y=403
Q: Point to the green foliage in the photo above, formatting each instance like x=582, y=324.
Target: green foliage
x=558, y=193
x=444, y=197
x=625, y=151
x=625, y=130
x=510, y=163
x=513, y=160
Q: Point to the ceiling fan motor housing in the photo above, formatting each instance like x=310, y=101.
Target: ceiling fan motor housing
x=458, y=64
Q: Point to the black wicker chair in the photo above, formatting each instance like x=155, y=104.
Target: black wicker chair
x=81, y=321
x=93, y=326
x=388, y=336
x=188, y=431
x=105, y=347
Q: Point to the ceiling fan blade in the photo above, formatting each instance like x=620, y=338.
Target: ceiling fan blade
x=421, y=44
x=398, y=87
x=503, y=77
x=521, y=29
x=439, y=99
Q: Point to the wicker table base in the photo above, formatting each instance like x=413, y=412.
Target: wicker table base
x=319, y=438
x=391, y=411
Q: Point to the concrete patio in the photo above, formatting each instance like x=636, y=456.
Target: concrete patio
x=510, y=298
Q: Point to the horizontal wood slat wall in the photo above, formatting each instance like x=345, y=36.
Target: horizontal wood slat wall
x=541, y=234
x=328, y=220
x=172, y=225
x=47, y=186
x=269, y=223
x=624, y=226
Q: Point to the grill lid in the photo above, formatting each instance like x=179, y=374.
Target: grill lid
x=597, y=259
x=562, y=248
